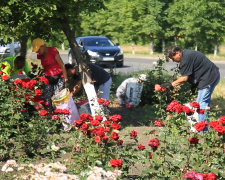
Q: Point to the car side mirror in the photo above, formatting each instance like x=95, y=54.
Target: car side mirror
x=117, y=44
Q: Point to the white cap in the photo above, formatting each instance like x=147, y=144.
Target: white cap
x=142, y=77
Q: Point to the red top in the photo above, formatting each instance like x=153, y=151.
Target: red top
x=51, y=67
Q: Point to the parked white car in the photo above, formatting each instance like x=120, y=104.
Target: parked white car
x=5, y=49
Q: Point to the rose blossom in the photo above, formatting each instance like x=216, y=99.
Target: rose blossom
x=5, y=77
x=98, y=117
x=222, y=119
x=115, y=126
x=55, y=117
x=114, y=136
x=193, y=140
x=38, y=92
x=97, y=139
x=154, y=143
x=200, y=111
x=95, y=123
x=119, y=142
x=84, y=126
x=194, y=104
x=43, y=112
x=141, y=147
x=100, y=101
x=200, y=126
x=158, y=123
x=116, y=162
x=133, y=134
x=128, y=106
x=106, y=103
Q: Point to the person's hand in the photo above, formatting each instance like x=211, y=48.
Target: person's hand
x=166, y=85
x=66, y=84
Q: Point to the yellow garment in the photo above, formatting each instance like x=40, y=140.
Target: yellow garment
x=10, y=69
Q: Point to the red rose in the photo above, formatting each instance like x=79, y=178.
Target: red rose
x=119, y=142
x=38, y=92
x=116, y=162
x=107, y=123
x=150, y=155
x=220, y=129
x=3, y=66
x=20, y=73
x=186, y=109
x=100, y=131
x=214, y=123
x=5, y=77
x=114, y=136
x=200, y=111
x=105, y=139
x=193, y=140
x=100, y=100
x=129, y=105
x=116, y=118
x=170, y=107
x=154, y=143
x=200, y=126
x=11, y=71
x=106, y=103
x=55, y=117
x=194, y=104
x=98, y=117
x=141, y=147
x=115, y=126
x=1, y=73
x=43, y=112
x=85, y=117
x=77, y=123
x=222, y=119
x=133, y=134
x=17, y=81
x=159, y=123
x=97, y=139
x=178, y=108
x=44, y=80
x=95, y=123
x=84, y=126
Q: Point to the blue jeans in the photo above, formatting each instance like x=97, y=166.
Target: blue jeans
x=204, y=96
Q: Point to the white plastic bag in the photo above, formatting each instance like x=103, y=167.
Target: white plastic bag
x=64, y=100
x=133, y=93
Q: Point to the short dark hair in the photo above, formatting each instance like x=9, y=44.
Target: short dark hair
x=20, y=59
x=68, y=66
x=171, y=51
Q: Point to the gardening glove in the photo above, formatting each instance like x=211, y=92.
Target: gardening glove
x=166, y=85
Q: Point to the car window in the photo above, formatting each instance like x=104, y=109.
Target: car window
x=97, y=42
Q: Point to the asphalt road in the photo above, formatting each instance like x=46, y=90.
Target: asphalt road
x=133, y=64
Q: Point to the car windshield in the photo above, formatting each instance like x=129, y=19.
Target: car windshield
x=97, y=42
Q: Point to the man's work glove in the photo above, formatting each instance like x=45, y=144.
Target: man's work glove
x=166, y=85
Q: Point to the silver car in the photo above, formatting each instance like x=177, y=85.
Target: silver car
x=5, y=49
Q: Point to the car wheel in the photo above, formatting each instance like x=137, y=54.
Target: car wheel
x=120, y=64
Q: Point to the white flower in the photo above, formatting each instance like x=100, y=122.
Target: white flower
x=154, y=63
x=8, y=166
x=55, y=148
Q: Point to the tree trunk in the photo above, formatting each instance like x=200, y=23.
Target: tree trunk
x=215, y=47
x=23, y=43
x=132, y=47
x=163, y=45
x=84, y=70
x=151, y=47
